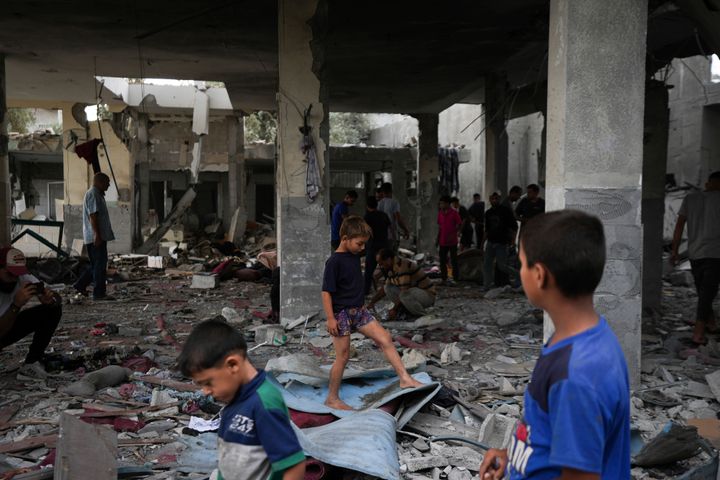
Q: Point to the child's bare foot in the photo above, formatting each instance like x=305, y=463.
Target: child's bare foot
x=338, y=404
x=410, y=382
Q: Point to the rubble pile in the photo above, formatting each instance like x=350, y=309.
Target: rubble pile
x=112, y=367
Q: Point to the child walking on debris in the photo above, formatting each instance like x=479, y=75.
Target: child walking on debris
x=576, y=423
x=255, y=440
x=343, y=301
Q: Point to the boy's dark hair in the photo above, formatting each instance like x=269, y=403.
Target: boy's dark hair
x=352, y=194
x=534, y=188
x=516, y=189
x=386, y=188
x=354, y=226
x=445, y=198
x=454, y=199
x=571, y=245
x=386, y=254
x=476, y=195
x=208, y=345
x=714, y=176
x=371, y=203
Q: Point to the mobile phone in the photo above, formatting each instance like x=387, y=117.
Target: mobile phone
x=39, y=287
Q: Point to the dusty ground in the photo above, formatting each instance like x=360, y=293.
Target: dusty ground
x=484, y=349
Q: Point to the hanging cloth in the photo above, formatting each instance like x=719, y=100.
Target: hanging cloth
x=88, y=152
x=312, y=175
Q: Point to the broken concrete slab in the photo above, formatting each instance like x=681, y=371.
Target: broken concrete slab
x=85, y=451
x=713, y=380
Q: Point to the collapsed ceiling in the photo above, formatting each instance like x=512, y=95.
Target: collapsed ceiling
x=400, y=56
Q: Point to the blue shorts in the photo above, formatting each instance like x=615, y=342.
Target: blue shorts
x=350, y=319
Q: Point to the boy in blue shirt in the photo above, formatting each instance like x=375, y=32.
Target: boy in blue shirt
x=255, y=439
x=343, y=297
x=340, y=213
x=576, y=421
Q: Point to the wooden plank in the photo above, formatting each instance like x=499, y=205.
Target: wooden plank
x=172, y=384
x=85, y=451
x=47, y=441
x=8, y=412
x=126, y=412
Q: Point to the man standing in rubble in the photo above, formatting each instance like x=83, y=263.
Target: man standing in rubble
x=391, y=208
x=97, y=232
x=17, y=288
x=701, y=212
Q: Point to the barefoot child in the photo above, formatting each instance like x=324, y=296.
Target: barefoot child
x=576, y=421
x=255, y=439
x=343, y=301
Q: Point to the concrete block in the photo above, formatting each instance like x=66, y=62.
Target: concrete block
x=205, y=281
x=416, y=464
x=497, y=430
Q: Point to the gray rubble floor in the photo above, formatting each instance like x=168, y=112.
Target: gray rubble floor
x=481, y=345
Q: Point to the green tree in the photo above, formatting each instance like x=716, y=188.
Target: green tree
x=20, y=119
x=261, y=127
x=348, y=127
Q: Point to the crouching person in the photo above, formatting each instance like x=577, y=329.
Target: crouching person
x=256, y=440
x=406, y=285
x=17, y=288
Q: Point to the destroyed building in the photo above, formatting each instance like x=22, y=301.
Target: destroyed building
x=611, y=107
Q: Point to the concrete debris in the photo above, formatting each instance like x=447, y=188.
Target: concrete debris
x=204, y=281
x=481, y=346
x=450, y=354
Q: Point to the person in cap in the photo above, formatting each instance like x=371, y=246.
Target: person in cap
x=18, y=288
x=97, y=232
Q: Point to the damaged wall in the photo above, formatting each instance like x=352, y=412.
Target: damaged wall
x=691, y=156
x=171, y=142
x=78, y=178
x=524, y=145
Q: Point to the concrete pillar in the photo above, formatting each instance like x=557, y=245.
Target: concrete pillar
x=237, y=179
x=302, y=225
x=496, y=139
x=596, y=85
x=657, y=122
x=428, y=189
x=140, y=157
x=5, y=187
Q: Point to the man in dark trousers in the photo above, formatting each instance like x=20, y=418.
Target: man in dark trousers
x=701, y=212
x=17, y=288
x=97, y=232
x=379, y=223
x=477, y=217
x=500, y=232
x=531, y=205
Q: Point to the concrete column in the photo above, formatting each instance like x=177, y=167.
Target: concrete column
x=399, y=182
x=302, y=225
x=237, y=179
x=428, y=189
x=5, y=187
x=596, y=85
x=496, y=139
x=141, y=159
x=657, y=122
